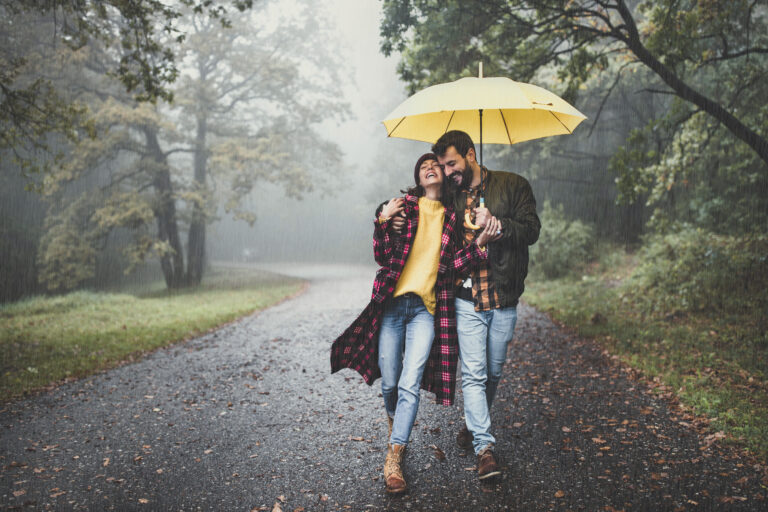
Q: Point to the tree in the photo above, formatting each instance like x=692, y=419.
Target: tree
x=248, y=107
x=677, y=40
x=251, y=102
x=138, y=34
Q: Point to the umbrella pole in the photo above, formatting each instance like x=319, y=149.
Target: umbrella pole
x=482, y=197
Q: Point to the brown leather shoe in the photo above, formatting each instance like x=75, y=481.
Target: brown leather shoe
x=486, y=463
x=464, y=438
x=393, y=471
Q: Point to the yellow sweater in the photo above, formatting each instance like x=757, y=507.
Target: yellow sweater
x=420, y=270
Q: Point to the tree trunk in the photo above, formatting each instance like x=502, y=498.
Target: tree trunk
x=165, y=212
x=683, y=90
x=196, y=242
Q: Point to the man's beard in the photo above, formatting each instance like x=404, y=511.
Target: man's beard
x=466, y=177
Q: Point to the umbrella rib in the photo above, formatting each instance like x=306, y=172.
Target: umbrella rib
x=559, y=121
x=449, y=121
x=506, y=128
x=396, y=126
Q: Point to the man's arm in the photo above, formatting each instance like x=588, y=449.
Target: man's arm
x=523, y=226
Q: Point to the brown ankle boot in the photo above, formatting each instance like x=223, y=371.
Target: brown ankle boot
x=393, y=471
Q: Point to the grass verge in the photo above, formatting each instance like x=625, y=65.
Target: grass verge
x=715, y=365
x=47, y=339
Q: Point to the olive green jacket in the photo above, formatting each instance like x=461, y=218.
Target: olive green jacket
x=509, y=198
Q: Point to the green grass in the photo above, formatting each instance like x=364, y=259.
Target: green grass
x=715, y=364
x=46, y=339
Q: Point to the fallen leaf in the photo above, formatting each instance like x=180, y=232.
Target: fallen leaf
x=439, y=454
x=566, y=429
x=357, y=438
x=559, y=494
x=281, y=498
x=208, y=451
x=18, y=493
x=106, y=462
x=143, y=501
x=277, y=507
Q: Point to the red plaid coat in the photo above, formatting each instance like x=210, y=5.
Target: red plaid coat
x=357, y=347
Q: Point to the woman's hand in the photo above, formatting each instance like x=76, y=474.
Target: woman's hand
x=392, y=208
x=490, y=233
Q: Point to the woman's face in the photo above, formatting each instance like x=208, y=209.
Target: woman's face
x=430, y=173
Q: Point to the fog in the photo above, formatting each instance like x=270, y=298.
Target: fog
x=273, y=150
x=335, y=224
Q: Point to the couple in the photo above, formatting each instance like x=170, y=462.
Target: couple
x=443, y=291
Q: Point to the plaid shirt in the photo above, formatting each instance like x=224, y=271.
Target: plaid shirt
x=483, y=291
x=357, y=347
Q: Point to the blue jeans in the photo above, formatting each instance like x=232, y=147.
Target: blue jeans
x=405, y=338
x=483, y=340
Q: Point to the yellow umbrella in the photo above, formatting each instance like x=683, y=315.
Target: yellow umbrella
x=492, y=110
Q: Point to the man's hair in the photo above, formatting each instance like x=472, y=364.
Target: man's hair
x=456, y=138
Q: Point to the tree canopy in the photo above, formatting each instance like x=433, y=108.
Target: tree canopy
x=139, y=35
x=680, y=41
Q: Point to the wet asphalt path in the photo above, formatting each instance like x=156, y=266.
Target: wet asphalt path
x=248, y=417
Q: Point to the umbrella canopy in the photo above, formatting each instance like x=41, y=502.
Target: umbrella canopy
x=511, y=112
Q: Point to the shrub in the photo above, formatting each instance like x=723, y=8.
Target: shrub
x=564, y=245
x=694, y=270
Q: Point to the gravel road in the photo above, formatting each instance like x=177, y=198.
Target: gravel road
x=249, y=417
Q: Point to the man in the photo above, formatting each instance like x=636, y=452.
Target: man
x=486, y=303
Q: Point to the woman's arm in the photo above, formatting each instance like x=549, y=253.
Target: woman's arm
x=466, y=258
x=383, y=238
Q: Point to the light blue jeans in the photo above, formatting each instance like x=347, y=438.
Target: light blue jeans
x=483, y=340
x=405, y=339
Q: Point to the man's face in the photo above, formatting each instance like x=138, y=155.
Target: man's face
x=456, y=167
x=430, y=173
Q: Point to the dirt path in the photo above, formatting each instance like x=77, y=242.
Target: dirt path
x=249, y=416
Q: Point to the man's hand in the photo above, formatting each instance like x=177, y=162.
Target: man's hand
x=482, y=216
x=491, y=233
x=397, y=225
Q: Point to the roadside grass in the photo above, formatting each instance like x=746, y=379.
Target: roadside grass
x=47, y=339
x=715, y=365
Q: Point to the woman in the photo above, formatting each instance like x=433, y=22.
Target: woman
x=412, y=303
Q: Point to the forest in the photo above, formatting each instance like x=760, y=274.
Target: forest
x=132, y=131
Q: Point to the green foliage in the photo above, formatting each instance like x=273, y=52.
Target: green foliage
x=66, y=256
x=707, y=61
x=38, y=43
x=564, y=245
x=690, y=270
